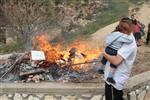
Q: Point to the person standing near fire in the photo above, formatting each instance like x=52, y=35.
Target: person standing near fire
x=114, y=42
x=124, y=61
x=148, y=34
x=137, y=32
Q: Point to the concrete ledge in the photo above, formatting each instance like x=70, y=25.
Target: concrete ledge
x=140, y=79
x=5, y=56
x=71, y=88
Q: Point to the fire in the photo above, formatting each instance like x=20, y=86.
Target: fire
x=52, y=53
x=77, y=52
x=84, y=49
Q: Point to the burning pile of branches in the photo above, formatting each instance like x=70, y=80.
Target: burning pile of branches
x=52, y=63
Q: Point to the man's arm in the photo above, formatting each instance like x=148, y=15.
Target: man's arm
x=116, y=60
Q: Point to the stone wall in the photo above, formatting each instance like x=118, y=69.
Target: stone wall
x=40, y=96
x=52, y=91
x=142, y=93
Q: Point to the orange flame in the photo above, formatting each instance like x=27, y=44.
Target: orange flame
x=54, y=53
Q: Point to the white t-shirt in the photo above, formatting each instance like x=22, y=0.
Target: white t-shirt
x=122, y=73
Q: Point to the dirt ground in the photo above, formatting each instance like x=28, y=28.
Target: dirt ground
x=142, y=62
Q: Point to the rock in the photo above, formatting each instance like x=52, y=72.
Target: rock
x=30, y=76
x=103, y=98
x=125, y=97
x=29, y=80
x=68, y=98
x=141, y=96
x=13, y=56
x=24, y=95
x=58, y=95
x=36, y=78
x=138, y=91
x=4, y=97
x=40, y=95
x=86, y=95
x=96, y=97
x=49, y=98
x=10, y=95
x=33, y=98
x=17, y=96
x=80, y=99
x=71, y=97
x=64, y=98
x=132, y=95
x=147, y=97
x=148, y=88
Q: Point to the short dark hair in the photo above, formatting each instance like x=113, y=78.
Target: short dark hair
x=123, y=25
x=134, y=22
x=125, y=18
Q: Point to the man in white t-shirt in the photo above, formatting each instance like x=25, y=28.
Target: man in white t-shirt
x=124, y=60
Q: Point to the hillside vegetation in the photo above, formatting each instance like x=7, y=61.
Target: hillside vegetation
x=68, y=19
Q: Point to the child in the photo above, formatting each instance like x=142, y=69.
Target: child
x=114, y=41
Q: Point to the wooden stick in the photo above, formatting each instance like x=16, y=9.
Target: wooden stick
x=84, y=63
x=35, y=71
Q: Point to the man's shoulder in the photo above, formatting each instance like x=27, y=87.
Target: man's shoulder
x=131, y=46
x=128, y=49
